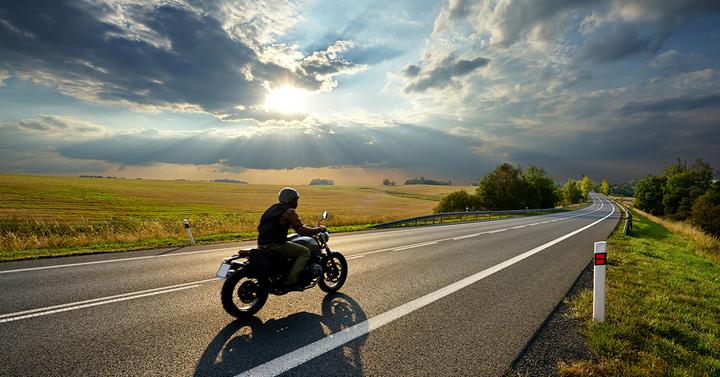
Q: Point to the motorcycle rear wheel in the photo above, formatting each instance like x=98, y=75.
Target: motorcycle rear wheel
x=242, y=296
x=335, y=271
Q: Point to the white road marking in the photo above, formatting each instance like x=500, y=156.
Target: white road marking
x=304, y=354
x=399, y=248
x=116, y=260
x=465, y=237
x=9, y=317
x=415, y=245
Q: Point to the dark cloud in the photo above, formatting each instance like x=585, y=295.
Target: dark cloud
x=443, y=73
x=411, y=70
x=402, y=146
x=646, y=25
x=510, y=20
x=169, y=56
x=672, y=104
x=459, y=9
x=620, y=42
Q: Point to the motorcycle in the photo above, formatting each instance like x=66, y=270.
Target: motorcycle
x=253, y=274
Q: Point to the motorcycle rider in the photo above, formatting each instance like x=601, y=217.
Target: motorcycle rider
x=273, y=229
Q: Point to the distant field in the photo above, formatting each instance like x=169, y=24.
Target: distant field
x=60, y=215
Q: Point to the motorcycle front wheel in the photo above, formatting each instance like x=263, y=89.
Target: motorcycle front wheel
x=243, y=295
x=335, y=270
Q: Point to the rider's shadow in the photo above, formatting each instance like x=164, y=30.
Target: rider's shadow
x=244, y=344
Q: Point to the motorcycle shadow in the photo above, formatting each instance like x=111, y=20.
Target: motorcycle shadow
x=244, y=344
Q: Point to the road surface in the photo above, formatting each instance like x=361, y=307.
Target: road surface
x=460, y=299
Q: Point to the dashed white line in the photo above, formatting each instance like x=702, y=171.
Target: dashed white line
x=415, y=245
x=466, y=236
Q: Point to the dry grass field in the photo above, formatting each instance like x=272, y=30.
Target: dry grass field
x=42, y=216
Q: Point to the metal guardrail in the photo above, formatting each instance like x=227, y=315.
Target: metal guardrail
x=628, y=219
x=438, y=218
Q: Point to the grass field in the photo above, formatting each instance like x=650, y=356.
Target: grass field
x=41, y=216
x=663, y=305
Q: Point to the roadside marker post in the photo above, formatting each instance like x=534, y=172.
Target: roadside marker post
x=599, y=260
x=189, y=232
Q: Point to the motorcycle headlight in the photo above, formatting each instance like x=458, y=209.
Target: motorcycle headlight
x=324, y=236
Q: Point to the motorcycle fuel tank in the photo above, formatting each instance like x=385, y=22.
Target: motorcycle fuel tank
x=308, y=242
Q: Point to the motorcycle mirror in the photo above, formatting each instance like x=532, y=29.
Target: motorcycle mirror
x=324, y=216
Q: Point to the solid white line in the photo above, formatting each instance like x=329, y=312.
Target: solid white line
x=101, y=300
x=399, y=248
x=301, y=355
x=93, y=304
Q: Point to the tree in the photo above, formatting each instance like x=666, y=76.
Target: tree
x=571, y=192
x=322, y=182
x=684, y=185
x=540, y=190
x=457, y=201
x=649, y=194
x=388, y=182
x=503, y=188
x=604, y=187
x=585, y=185
x=706, y=211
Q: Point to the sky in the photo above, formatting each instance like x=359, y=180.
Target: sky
x=285, y=91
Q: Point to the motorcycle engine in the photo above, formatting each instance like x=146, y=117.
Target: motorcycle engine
x=315, y=270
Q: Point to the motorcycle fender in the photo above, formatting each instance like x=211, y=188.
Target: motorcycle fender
x=328, y=255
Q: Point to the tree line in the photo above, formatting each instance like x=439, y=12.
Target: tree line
x=683, y=193
x=514, y=187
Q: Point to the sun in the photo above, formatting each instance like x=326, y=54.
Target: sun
x=287, y=99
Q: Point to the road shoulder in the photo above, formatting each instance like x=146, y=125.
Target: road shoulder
x=557, y=340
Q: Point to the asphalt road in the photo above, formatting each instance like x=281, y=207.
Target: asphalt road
x=458, y=299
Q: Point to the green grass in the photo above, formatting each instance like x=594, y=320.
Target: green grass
x=663, y=307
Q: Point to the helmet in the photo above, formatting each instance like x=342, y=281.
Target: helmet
x=289, y=195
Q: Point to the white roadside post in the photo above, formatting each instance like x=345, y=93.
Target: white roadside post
x=189, y=232
x=599, y=281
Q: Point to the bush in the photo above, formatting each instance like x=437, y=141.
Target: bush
x=457, y=201
x=706, y=211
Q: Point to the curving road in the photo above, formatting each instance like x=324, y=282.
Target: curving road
x=458, y=299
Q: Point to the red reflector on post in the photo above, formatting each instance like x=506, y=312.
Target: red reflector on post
x=600, y=259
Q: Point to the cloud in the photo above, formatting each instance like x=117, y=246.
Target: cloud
x=669, y=105
x=443, y=73
x=401, y=147
x=56, y=126
x=411, y=70
x=322, y=66
x=620, y=42
x=508, y=21
x=158, y=55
